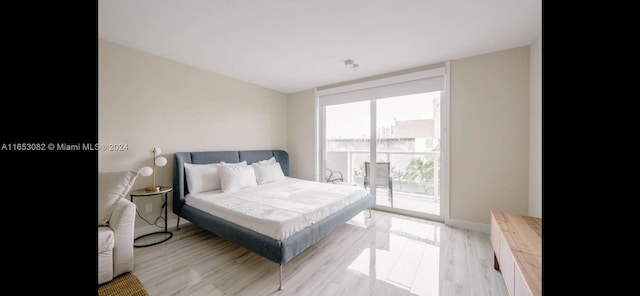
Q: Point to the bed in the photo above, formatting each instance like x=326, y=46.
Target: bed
x=278, y=249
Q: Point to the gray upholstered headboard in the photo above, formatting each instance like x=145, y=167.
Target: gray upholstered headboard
x=180, y=188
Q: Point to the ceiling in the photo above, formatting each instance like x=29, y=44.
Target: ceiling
x=294, y=45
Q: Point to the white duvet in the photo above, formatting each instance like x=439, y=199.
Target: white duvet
x=278, y=209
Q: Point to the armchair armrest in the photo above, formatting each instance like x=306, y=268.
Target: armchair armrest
x=122, y=222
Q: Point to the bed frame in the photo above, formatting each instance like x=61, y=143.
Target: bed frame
x=278, y=251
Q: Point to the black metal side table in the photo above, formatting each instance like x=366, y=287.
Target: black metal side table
x=144, y=192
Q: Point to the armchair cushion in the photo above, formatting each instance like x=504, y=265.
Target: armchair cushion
x=105, y=239
x=112, y=186
x=105, y=254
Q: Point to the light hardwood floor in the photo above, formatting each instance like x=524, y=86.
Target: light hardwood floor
x=387, y=254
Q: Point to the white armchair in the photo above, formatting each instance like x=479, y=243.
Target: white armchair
x=116, y=223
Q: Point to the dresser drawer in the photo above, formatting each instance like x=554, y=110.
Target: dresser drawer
x=495, y=237
x=520, y=285
x=507, y=265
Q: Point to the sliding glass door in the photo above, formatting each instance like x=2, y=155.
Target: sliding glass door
x=407, y=149
x=386, y=135
x=347, y=142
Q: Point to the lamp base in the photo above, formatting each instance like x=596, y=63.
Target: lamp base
x=152, y=189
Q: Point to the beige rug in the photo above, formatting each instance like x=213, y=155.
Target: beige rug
x=124, y=285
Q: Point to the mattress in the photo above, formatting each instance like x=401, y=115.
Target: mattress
x=279, y=209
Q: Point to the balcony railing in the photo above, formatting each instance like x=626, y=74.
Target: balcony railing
x=411, y=172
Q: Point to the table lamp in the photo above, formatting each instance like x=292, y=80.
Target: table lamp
x=146, y=171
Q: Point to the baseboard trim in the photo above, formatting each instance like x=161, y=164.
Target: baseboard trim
x=475, y=226
x=171, y=224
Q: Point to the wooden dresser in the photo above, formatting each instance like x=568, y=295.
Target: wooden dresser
x=517, y=250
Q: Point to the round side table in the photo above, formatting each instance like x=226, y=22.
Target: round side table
x=163, y=190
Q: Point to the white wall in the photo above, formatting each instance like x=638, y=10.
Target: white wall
x=489, y=134
x=301, y=134
x=145, y=101
x=535, y=128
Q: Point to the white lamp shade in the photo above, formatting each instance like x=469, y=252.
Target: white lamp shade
x=161, y=161
x=146, y=171
x=158, y=150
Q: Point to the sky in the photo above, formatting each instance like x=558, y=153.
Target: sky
x=347, y=121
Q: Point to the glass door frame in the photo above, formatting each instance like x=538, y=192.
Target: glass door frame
x=373, y=152
x=444, y=152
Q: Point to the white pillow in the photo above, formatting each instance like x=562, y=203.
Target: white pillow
x=242, y=163
x=112, y=186
x=202, y=177
x=236, y=177
x=267, y=173
x=267, y=161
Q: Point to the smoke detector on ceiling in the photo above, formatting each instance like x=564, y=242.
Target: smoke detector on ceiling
x=351, y=64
